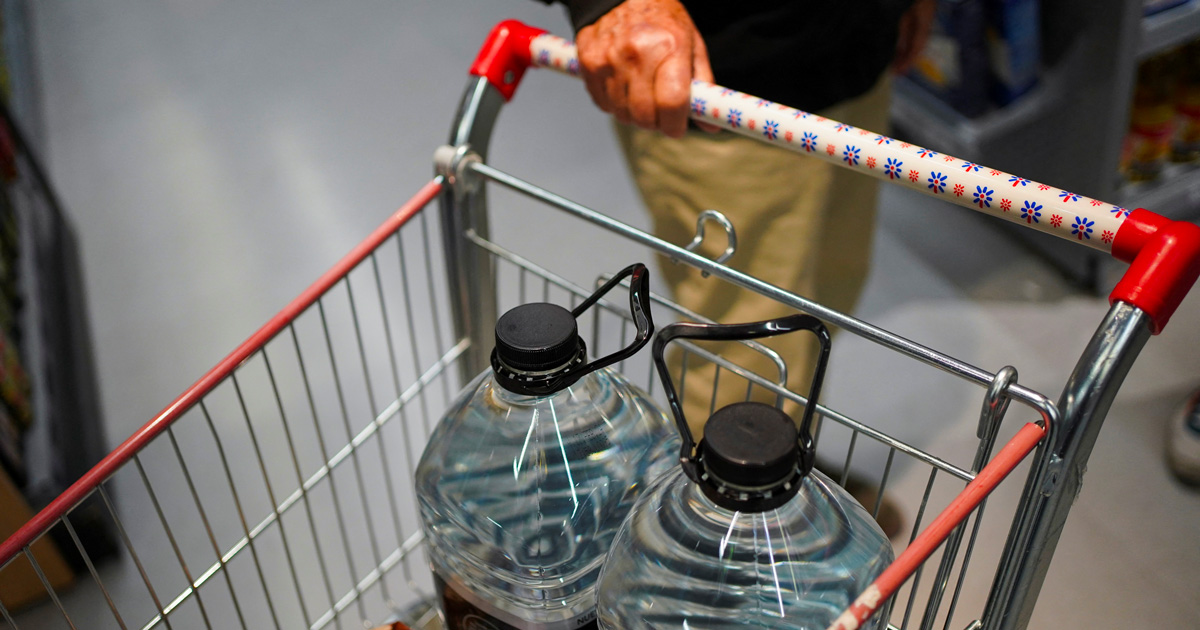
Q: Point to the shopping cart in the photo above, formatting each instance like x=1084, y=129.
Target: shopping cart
x=275, y=492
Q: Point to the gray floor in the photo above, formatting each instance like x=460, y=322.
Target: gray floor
x=218, y=156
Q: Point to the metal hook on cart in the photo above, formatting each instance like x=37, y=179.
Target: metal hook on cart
x=995, y=405
x=730, y=235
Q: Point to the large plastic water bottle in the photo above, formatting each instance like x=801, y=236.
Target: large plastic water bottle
x=534, y=467
x=743, y=533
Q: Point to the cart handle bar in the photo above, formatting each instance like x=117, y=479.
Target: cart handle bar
x=1164, y=254
x=99, y=473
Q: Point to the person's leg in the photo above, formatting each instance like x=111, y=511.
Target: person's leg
x=772, y=200
x=803, y=225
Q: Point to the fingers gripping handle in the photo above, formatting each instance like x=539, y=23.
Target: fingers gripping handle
x=1165, y=255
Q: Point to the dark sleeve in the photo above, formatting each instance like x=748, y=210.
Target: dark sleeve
x=584, y=12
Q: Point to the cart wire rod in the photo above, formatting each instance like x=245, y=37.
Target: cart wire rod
x=335, y=495
x=912, y=595
x=339, y=457
x=691, y=315
x=355, y=464
x=187, y=475
x=898, y=572
x=399, y=389
x=423, y=221
x=49, y=589
x=995, y=406
x=191, y=589
x=369, y=580
x=776, y=388
x=137, y=561
x=527, y=265
x=389, y=489
x=143, y=436
x=7, y=617
x=308, y=510
x=926, y=355
x=87, y=559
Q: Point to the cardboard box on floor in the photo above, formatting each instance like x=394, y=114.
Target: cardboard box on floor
x=20, y=586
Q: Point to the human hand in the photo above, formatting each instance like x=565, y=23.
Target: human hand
x=915, y=26
x=638, y=61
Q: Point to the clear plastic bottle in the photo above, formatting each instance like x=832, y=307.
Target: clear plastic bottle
x=532, y=470
x=743, y=533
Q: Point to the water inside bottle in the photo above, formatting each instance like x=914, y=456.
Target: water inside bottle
x=521, y=496
x=684, y=562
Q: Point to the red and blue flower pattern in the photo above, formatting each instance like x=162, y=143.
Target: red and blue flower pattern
x=1070, y=215
x=892, y=168
x=937, y=183
x=809, y=141
x=1031, y=212
x=850, y=155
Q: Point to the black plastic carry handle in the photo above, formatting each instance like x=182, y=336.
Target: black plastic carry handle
x=742, y=332
x=639, y=308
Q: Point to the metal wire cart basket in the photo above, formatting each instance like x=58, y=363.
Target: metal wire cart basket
x=276, y=491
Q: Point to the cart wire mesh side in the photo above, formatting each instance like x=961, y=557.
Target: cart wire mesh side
x=277, y=491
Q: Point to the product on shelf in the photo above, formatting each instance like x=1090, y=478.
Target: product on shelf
x=14, y=383
x=9, y=252
x=1185, y=146
x=981, y=53
x=1151, y=120
x=1015, y=46
x=12, y=456
x=954, y=64
x=1150, y=7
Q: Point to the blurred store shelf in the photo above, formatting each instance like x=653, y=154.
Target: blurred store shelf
x=1170, y=28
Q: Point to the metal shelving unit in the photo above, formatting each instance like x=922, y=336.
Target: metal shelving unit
x=1169, y=28
x=914, y=107
x=65, y=437
x=1176, y=194
x=1077, y=117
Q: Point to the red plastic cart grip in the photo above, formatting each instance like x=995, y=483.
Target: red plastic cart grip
x=1164, y=262
x=505, y=55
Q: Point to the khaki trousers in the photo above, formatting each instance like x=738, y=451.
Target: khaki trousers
x=802, y=224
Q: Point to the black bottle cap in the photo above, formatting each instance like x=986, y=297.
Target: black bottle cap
x=537, y=337
x=750, y=445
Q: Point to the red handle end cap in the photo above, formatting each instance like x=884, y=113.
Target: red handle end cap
x=505, y=55
x=1164, y=260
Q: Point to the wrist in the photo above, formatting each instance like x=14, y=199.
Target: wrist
x=585, y=12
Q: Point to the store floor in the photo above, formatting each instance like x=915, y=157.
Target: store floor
x=217, y=156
